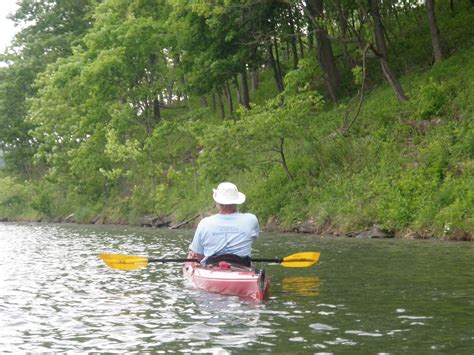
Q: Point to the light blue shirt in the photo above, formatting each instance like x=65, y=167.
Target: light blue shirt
x=226, y=234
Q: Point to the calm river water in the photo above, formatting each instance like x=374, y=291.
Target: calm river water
x=364, y=296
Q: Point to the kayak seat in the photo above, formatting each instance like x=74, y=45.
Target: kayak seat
x=233, y=260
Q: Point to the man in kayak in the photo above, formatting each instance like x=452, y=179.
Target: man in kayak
x=227, y=235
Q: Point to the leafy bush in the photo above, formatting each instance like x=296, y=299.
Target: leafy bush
x=13, y=197
x=431, y=100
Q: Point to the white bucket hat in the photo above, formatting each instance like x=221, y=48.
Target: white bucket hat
x=227, y=194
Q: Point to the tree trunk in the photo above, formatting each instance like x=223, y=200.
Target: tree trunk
x=213, y=101
x=25, y=165
x=254, y=79
x=299, y=33
x=238, y=92
x=204, y=101
x=332, y=77
x=176, y=63
x=156, y=110
x=273, y=65
x=170, y=93
x=245, y=89
x=185, y=86
x=288, y=50
x=379, y=31
x=277, y=59
x=394, y=11
x=310, y=36
x=392, y=80
x=408, y=10
x=301, y=44
x=294, y=48
x=434, y=31
x=283, y=162
x=228, y=95
x=221, y=105
x=343, y=26
x=382, y=53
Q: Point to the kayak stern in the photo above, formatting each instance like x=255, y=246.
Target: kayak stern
x=227, y=279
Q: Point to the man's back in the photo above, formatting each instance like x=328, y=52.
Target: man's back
x=226, y=234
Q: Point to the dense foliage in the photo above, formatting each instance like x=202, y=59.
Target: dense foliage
x=342, y=113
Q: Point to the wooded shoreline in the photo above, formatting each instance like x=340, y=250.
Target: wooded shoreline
x=304, y=227
x=334, y=117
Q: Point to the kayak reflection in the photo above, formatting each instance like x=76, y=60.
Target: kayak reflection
x=307, y=286
x=225, y=322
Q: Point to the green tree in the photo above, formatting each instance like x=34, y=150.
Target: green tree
x=50, y=29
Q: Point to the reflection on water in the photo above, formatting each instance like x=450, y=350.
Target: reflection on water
x=57, y=296
x=307, y=286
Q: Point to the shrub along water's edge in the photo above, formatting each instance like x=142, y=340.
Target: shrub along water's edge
x=308, y=227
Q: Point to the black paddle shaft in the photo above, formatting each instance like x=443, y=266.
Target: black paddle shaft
x=153, y=260
x=276, y=260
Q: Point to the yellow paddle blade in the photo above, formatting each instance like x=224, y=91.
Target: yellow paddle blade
x=124, y=262
x=305, y=259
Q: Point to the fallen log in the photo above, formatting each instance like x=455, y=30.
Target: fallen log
x=176, y=226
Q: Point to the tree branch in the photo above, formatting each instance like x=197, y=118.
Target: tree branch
x=361, y=91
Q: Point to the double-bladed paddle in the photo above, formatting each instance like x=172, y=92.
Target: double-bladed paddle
x=132, y=262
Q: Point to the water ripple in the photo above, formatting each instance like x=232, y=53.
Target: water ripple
x=57, y=296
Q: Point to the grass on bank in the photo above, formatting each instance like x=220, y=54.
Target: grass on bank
x=407, y=167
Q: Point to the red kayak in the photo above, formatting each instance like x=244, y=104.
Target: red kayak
x=227, y=279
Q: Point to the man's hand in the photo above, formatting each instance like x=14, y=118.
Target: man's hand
x=194, y=255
